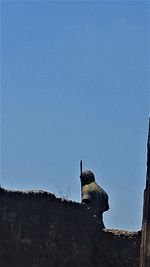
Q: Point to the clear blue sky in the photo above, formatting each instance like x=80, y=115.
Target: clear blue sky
x=75, y=86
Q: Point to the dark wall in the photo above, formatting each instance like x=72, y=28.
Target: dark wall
x=38, y=230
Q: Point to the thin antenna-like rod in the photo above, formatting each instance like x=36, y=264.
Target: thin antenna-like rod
x=80, y=168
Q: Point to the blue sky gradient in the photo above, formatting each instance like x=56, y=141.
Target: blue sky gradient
x=75, y=85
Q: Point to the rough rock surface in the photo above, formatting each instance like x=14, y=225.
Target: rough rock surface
x=39, y=230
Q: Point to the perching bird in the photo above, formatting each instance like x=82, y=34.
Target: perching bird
x=93, y=196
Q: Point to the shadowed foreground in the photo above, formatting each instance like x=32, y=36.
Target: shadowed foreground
x=39, y=230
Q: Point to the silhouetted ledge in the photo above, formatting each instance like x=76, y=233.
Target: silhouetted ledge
x=39, y=230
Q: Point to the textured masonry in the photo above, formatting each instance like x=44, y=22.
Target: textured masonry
x=39, y=230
